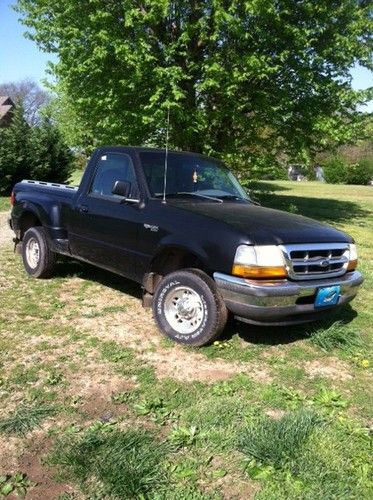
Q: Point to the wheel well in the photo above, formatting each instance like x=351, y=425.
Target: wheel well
x=27, y=220
x=168, y=261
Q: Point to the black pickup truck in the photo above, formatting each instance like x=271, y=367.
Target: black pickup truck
x=192, y=238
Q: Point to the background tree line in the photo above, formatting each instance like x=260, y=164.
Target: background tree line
x=32, y=147
x=259, y=83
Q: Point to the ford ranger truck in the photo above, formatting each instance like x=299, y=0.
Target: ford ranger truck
x=193, y=239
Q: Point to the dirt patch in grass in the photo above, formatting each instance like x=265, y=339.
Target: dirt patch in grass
x=232, y=486
x=327, y=367
x=31, y=463
x=134, y=328
x=235, y=488
x=10, y=450
x=137, y=331
x=182, y=365
x=96, y=389
x=275, y=413
x=99, y=380
x=18, y=455
x=99, y=407
x=6, y=234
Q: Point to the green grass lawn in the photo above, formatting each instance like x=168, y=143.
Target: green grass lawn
x=94, y=403
x=4, y=203
x=76, y=177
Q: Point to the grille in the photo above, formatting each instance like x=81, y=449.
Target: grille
x=315, y=261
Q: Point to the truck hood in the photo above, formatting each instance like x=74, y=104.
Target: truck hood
x=266, y=226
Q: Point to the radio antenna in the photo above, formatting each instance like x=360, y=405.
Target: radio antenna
x=166, y=157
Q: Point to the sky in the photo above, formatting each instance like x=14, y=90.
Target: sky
x=20, y=58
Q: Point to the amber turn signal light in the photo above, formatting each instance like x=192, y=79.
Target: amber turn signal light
x=259, y=272
x=352, y=265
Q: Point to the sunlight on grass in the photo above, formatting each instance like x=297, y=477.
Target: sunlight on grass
x=4, y=204
x=75, y=177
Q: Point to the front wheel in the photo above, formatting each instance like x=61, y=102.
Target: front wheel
x=188, y=307
x=38, y=260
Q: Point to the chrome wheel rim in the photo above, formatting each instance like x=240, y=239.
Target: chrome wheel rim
x=183, y=309
x=32, y=253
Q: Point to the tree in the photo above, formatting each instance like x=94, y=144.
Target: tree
x=32, y=97
x=32, y=152
x=14, y=150
x=243, y=78
x=52, y=158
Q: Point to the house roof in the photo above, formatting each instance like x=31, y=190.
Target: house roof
x=6, y=104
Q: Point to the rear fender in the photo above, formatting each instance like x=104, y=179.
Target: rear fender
x=47, y=213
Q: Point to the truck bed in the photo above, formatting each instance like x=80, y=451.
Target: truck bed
x=64, y=190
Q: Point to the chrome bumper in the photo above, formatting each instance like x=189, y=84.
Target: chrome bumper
x=281, y=302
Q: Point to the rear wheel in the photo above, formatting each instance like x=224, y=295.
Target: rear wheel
x=38, y=260
x=188, y=307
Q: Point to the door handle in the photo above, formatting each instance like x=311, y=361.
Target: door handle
x=83, y=208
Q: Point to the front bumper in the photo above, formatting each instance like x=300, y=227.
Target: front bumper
x=281, y=302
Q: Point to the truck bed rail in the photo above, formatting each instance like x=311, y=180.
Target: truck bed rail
x=50, y=184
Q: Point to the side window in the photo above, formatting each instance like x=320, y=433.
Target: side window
x=112, y=167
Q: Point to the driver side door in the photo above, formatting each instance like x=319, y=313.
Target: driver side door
x=104, y=228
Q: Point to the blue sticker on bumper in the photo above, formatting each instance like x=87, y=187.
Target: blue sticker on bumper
x=328, y=296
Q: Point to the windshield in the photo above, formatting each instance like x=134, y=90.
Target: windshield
x=190, y=175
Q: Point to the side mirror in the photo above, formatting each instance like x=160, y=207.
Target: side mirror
x=122, y=188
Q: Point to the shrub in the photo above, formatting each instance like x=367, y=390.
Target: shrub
x=336, y=170
x=360, y=172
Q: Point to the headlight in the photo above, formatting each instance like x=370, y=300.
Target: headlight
x=255, y=262
x=352, y=260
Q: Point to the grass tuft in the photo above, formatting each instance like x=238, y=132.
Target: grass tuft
x=127, y=464
x=338, y=336
x=25, y=418
x=111, y=351
x=276, y=442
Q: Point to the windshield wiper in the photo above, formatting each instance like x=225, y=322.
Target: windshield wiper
x=190, y=193
x=231, y=197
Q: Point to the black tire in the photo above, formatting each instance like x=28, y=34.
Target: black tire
x=38, y=260
x=189, y=300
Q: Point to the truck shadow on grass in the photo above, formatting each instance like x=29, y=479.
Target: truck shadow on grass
x=321, y=209
x=69, y=268
x=278, y=335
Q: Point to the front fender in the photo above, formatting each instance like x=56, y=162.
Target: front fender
x=172, y=242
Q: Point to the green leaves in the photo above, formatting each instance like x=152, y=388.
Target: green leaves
x=244, y=80
x=18, y=483
x=181, y=437
x=32, y=152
